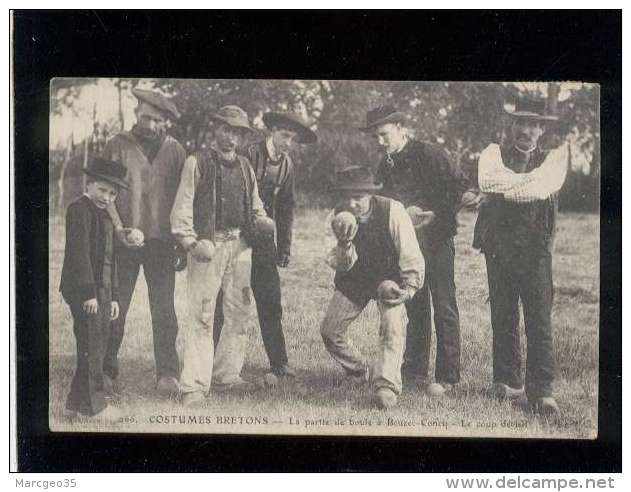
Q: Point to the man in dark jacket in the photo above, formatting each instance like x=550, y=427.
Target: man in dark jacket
x=154, y=161
x=515, y=231
x=423, y=176
x=275, y=175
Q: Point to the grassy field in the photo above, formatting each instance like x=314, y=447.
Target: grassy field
x=322, y=400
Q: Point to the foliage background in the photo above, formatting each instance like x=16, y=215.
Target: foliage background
x=462, y=116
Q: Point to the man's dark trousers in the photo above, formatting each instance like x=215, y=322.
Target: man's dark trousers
x=156, y=258
x=265, y=282
x=515, y=275
x=91, y=332
x=266, y=289
x=439, y=282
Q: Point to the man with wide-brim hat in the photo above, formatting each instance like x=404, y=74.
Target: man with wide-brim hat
x=292, y=122
x=376, y=256
x=423, y=177
x=154, y=162
x=515, y=231
x=276, y=175
x=216, y=214
x=382, y=115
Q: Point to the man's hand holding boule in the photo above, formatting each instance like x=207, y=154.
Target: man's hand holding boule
x=202, y=250
x=390, y=294
x=264, y=226
x=130, y=237
x=420, y=218
x=472, y=199
x=344, y=227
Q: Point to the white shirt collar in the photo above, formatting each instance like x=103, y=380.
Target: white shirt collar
x=271, y=150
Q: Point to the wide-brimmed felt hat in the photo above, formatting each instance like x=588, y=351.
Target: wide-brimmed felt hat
x=382, y=115
x=233, y=116
x=355, y=178
x=106, y=170
x=292, y=122
x=531, y=109
x=158, y=101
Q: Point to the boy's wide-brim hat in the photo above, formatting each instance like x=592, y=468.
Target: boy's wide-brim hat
x=233, y=116
x=382, y=115
x=531, y=109
x=111, y=171
x=158, y=101
x=355, y=178
x=293, y=122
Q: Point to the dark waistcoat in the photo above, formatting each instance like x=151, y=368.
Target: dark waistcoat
x=510, y=226
x=377, y=257
x=217, y=199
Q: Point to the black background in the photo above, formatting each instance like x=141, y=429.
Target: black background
x=341, y=45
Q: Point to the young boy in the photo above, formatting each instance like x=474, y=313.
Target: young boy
x=89, y=286
x=377, y=256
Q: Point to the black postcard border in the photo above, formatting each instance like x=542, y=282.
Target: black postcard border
x=425, y=45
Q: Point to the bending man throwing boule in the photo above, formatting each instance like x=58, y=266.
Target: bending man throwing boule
x=216, y=208
x=377, y=256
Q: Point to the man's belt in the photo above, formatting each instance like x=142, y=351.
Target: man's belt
x=227, y=235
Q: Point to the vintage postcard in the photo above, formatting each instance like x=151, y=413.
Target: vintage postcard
x=324, y=257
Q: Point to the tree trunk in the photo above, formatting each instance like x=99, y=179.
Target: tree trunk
x=120, y=105
x=553, y=97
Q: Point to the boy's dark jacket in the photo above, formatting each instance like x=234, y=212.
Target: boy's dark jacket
x=89, y=242
x=280, y=203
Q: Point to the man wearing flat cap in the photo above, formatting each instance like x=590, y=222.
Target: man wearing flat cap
x=154, y=162
x=425, y=179
x=275, y=175
x=216, y=214
x=515, y=231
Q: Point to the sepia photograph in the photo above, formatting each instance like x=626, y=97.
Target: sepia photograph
x=324, y=257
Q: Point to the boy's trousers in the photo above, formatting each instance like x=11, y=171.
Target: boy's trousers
x=91, y=332
x=386, y=368
x=228, y=270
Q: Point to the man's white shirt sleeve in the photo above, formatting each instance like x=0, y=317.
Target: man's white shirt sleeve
x=539, y=184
